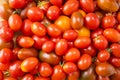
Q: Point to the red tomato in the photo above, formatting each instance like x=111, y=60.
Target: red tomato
x=28, y=77
x=16, y=4
x=84, y=5
x=38, y=29
x=70, y=35
x=4, y=66
x=29, y=64
x=91, y=21
x=69, y=67
x=118, y=28
x=74, y=75
x=9, y=78
x=100, y=42
x=108, y=21
x=84, y=62
x=35, y=14
x=42, y=78
x=1, y=75
x=72, y=55
x=15, y=22
x=56, y=39
x=61, y=47
x=57, y=3
x=82, y=42
x=68, y=6
x=45, y=70
x=4, y=23
x=115, y=61
x=53, y=12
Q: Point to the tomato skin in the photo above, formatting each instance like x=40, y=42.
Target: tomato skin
x=91, y=21
x=27, y=77
x=108, y=21
x=53, y=30
x=42, y=78
x=103, y=78
x=84, y=5
x=53, y=12
x=35, y=14
x=111, y=35
x=15, y=70
x=82, y=42
x=29, y=64
x=1, y=75
x=59, y=49
x=4, y=66
x=115, y=61
x=73, y=75
x=9, y=78
x=15, y=22
x=45, y=70
x=84, y=62
x=77, y=20
x=69, y=67
x=72, y=55
x=58, y=73
x=4, y=23
x=100, y=42
x=115, y=49
x=68, y=7
x=83, y=32
x=57, y=3
x=70, y=35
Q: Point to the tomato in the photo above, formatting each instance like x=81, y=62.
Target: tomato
x=28, y=77
x=1, y=75
x=84, y=62
x=91, y=50
x=59, y=49
x=63, y=23
x=53, y=30
x=48, y=46
x=84, y=5
x=56, y=39
x=73, y=75
x=35, y=14
x=103, y=55
x=70, y=44
x=103, y=78
x=4, y=66
x=82, y=42
x=72, y=55
x=9, y=78
x=53, y=12
x=70, y=35
x=115, y=61
x=29, y=64
x=50, y=58
x=38, y=29
x=69, y=67
x=105, y=69
x=45, y=70
x=116, y=76
x=5, y=55
x=118, y=28
x=4, y=23
x=82, y=12
x=108, y=21
x=26, y=27
x=77, y=20
x=15, y=22
x=24, y=53
x=91, y=21
x=38, y=41
x=57, y=3
x=42, y=78
x=6, y=34
x=58, y=73
x=84, y=32
x=115, y=49
x=26, y=42
x=112, y=35
x=100, y=42
x=15, y=70
x=16, y=4
x=68, y=7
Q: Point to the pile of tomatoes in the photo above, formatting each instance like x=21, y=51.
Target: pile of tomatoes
x=59, y=40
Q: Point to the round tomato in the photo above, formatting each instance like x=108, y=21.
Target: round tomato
x=28, y=77
x=115, y=61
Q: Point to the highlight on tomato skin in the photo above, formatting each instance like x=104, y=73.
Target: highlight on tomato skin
x=59, y=40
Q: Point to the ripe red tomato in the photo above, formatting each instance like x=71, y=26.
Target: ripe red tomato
x=38, y=29
x=35, y=14
x=53, y=12
x=45, y=70
x=4, y=66
x=57, y=3
x=72, y=55
x=82, y=42
x=115, y=61
x=91, y=21
x=28, y=77
x=4, y=23
x=84, y=62
x=15, y=22
x=103, y=78
x=16, y=4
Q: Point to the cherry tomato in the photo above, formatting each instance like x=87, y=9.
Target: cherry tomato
x=1, y=75
x=4, y=23
x=73, y=75
x=84, y=62
x=4, y=66
x=56, y=39
x=35, y=14
x=91, y=21
x=115, y=61
x=72, y=55
x=82, y=42
x=57, y=3
x=15, y=22
x=45, y=70
x=29, y=64
x=28, y=77
x=9, y=78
